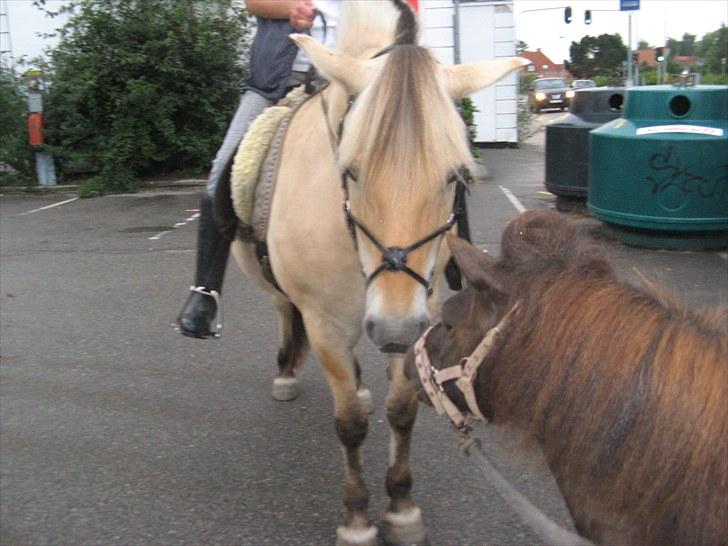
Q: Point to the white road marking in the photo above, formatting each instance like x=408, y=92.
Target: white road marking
x=159, y=235
x=513, y=199
x=723, y=255
x=177, y=225
x=49, y=206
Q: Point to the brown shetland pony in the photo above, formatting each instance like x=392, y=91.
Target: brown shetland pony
x=625, y=391
x=401, y=141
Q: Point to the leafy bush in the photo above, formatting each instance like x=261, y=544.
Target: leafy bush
x=143, y=87
x=467, y=112
x=16, y=157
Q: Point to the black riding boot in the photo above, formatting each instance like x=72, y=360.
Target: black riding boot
x=213, y=248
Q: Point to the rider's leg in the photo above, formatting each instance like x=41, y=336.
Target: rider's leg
x=213, y=238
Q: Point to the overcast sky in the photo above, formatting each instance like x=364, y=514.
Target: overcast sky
x=655, y=21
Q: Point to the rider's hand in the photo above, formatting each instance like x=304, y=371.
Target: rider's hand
x=302, y=15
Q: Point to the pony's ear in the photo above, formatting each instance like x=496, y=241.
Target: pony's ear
x=464, y=79
x=353, y=74
x=479, y=269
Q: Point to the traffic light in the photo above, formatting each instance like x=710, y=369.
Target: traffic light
x=659, y=54
x=567, y=14
x=587, y=17
x=635, y=57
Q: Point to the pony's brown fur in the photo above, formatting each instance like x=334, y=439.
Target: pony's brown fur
x=625, y=390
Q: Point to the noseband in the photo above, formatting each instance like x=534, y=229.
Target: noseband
x=463, y=374
x=394, y=258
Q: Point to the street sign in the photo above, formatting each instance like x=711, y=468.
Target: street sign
x=629, y=5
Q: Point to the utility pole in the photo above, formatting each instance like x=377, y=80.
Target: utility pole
x=6, y=42
x=456, y=32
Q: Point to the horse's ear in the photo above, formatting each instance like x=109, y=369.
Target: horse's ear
x=479, y=269
x=464, y=79
x=353, y=74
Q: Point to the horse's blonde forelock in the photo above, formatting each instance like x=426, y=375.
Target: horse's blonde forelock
x=404, y=126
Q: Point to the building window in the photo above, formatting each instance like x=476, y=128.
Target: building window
x=531, y=68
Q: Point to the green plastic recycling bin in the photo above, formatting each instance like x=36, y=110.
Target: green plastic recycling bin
x=658, y=176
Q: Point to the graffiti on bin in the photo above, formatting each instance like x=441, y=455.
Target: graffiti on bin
x=668, y=173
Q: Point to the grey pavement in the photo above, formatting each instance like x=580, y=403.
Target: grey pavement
x=116, y=430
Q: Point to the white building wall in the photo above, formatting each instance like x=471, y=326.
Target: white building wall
x=486, y=32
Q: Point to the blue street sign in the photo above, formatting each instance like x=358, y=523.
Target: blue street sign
x=629, y=5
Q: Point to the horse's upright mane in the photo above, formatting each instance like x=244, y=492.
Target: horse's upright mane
x=366, y=25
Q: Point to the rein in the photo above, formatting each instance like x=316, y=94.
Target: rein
x=464, y=374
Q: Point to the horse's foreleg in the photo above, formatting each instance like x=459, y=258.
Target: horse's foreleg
x=403, y=519
x=350, y=419
x=292, y=351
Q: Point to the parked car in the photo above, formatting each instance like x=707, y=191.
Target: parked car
x=550, y=93
x=583, y=84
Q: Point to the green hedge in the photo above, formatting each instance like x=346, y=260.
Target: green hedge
x=143, y=87
x=16, y=157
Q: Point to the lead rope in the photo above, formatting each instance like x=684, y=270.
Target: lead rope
x=547, y=529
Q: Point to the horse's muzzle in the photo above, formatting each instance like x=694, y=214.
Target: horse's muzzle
x=396, y=334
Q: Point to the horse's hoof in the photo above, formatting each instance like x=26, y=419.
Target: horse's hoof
x=346, y=536
x=366, y=400
x=404, y=528
x=285, y=388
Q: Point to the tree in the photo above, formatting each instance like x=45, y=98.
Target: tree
x=643, y=44
x=143, y=87
x=712, y=48
x=16, y=157
x=521, y=46
x=597, y=56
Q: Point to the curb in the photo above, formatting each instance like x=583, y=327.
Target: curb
x=67, y=188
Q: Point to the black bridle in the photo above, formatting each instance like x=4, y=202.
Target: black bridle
x=394, y=258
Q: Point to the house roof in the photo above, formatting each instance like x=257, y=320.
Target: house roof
x=687, y=60
x=542, y=65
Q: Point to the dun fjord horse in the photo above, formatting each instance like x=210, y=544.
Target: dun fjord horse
x=625, y=391
x=401, y=143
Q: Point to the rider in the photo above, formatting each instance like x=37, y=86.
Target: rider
x=276, y=65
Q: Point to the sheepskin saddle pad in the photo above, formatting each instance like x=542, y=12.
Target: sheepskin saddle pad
x=255, y=166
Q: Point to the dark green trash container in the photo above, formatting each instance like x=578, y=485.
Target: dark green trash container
x=567, y=141
x=658, y=176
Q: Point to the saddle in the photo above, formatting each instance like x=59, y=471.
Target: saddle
x=255, y=166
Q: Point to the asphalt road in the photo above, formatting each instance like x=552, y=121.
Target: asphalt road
x=116, y=430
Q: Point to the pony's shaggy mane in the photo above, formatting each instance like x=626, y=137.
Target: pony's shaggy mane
x=623, y=387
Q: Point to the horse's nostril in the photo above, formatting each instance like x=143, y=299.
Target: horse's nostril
x=422, y=326
x=369, y=328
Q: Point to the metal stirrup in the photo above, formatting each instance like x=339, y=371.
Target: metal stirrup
x=215, y=295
